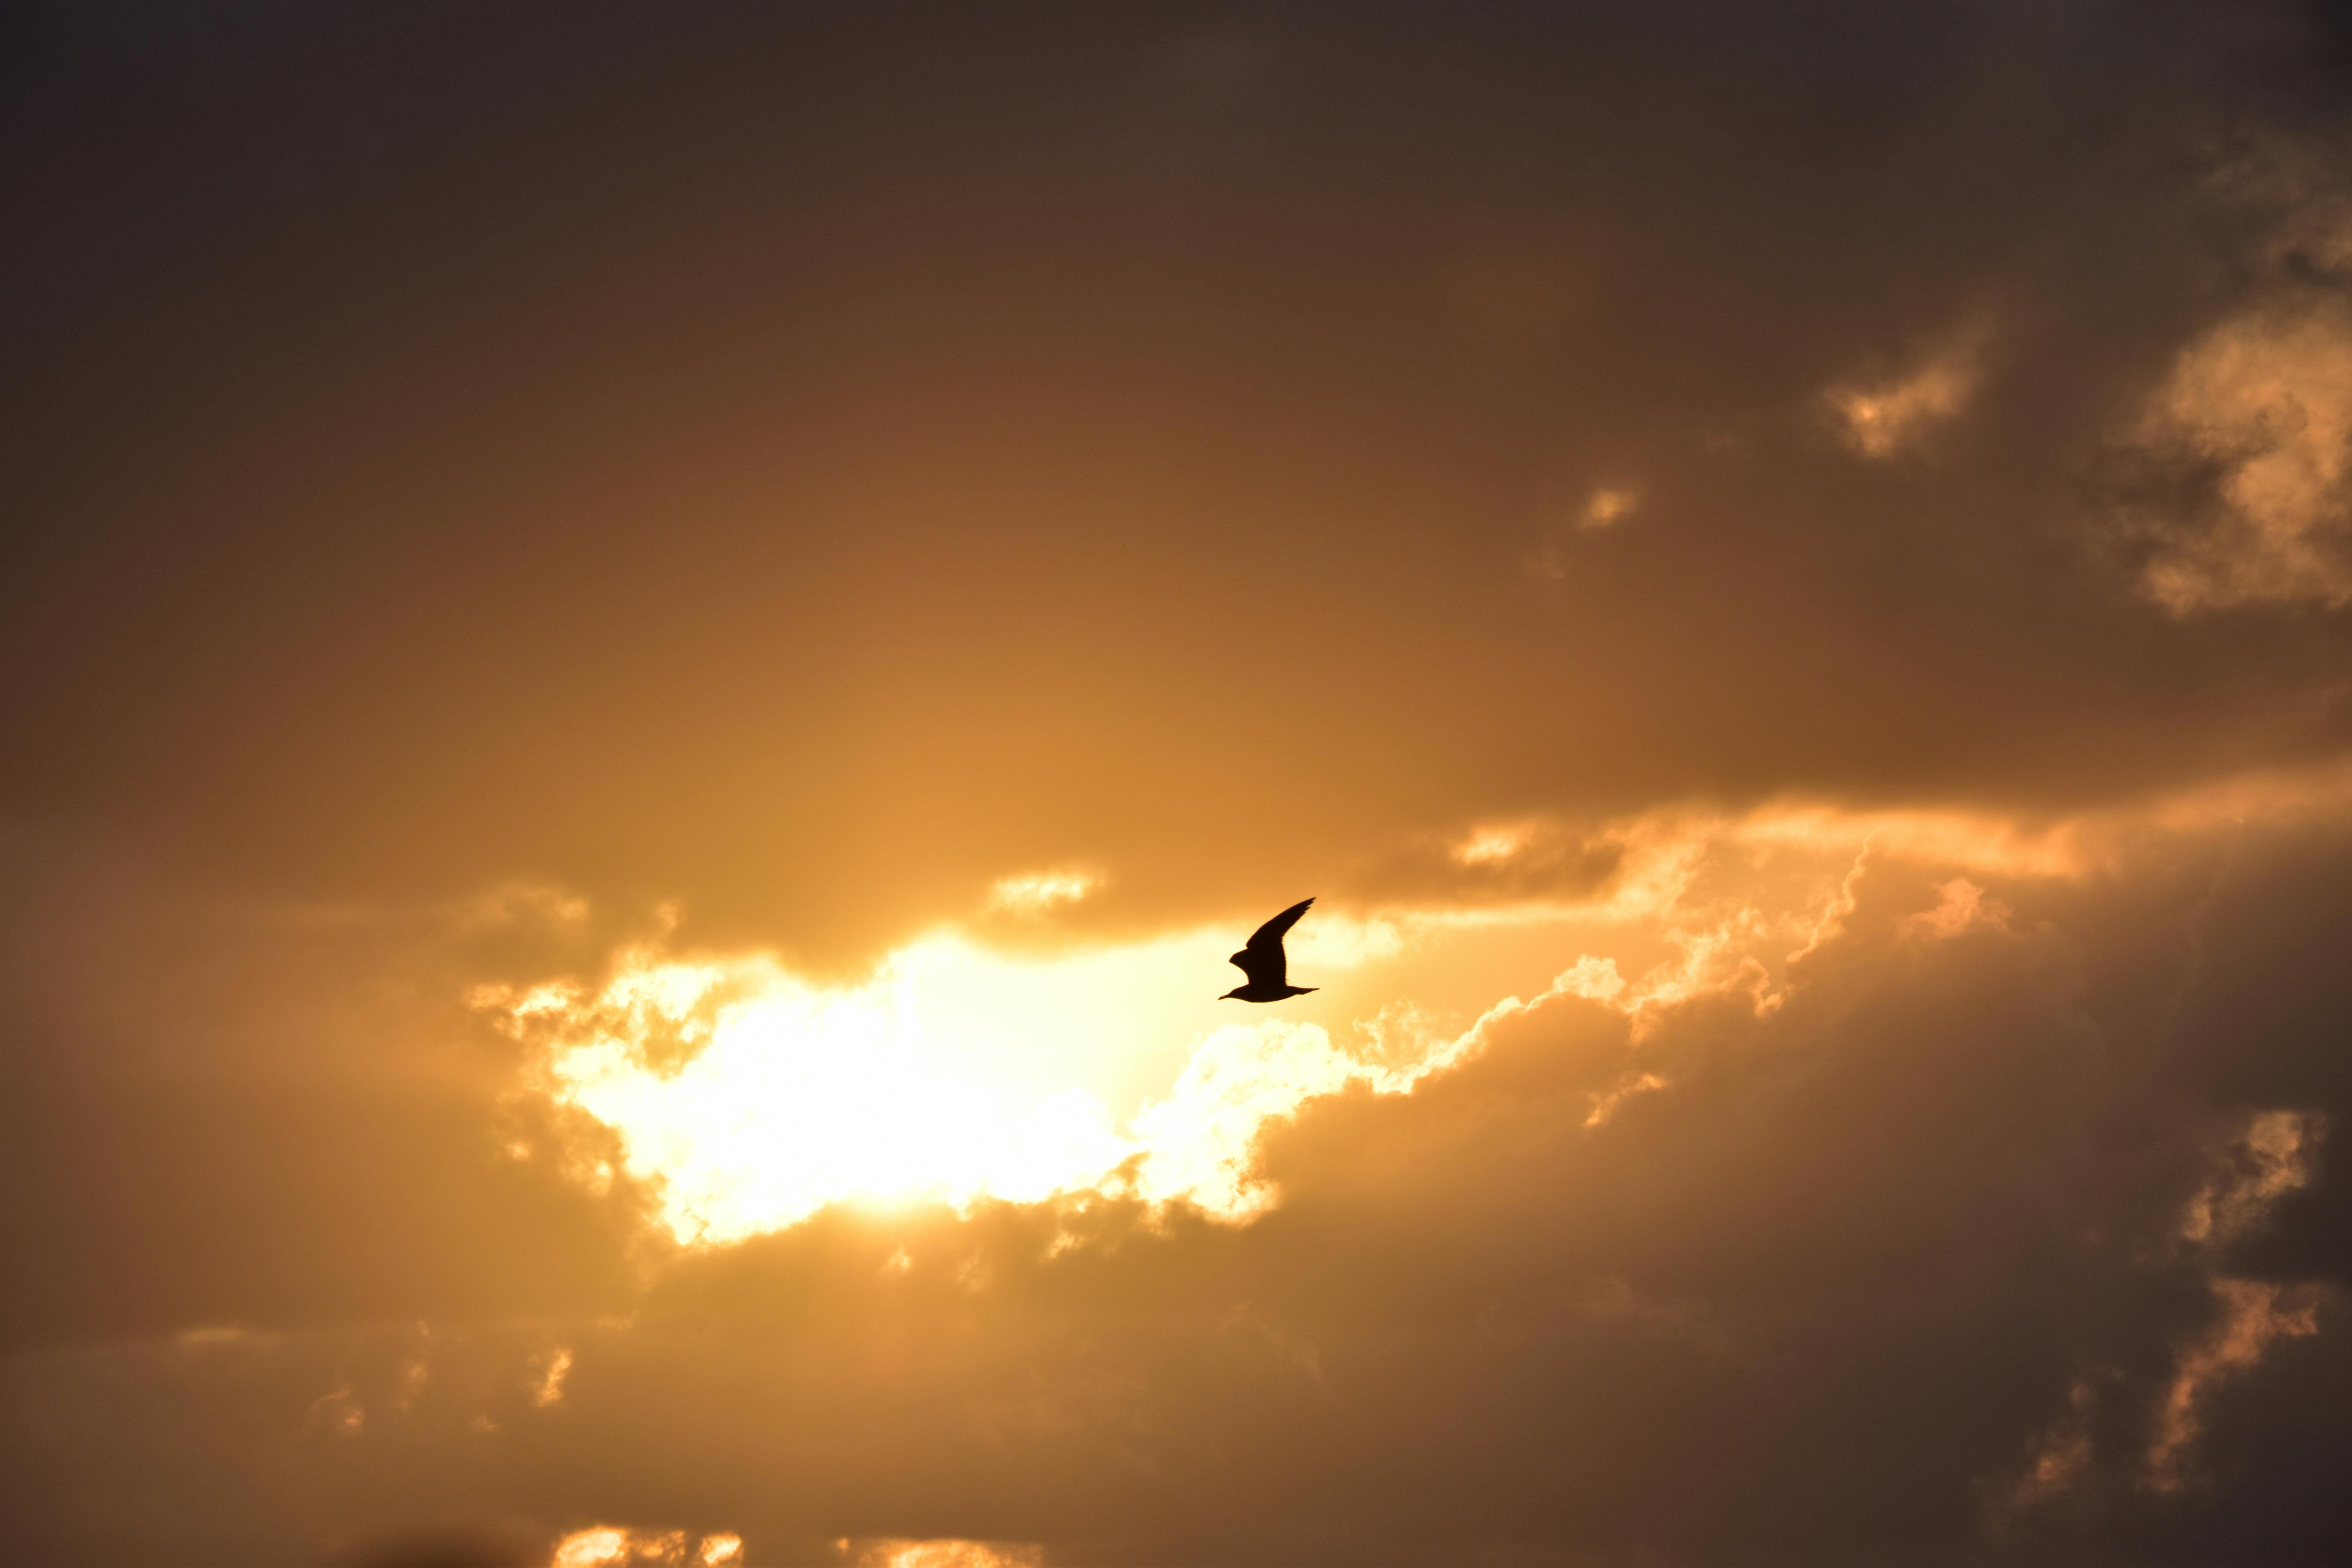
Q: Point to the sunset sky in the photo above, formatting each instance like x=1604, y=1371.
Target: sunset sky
x=650, y=655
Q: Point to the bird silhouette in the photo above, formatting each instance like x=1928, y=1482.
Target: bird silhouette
x=1262, y=960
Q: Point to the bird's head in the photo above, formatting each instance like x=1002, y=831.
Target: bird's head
x=1231, y=994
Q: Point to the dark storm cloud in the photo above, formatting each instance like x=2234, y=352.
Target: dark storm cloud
x=814, y=463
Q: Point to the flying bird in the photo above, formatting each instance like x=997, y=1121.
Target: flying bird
x=1262, y=960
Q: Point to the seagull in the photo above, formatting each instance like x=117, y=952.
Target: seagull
x=1262, y=961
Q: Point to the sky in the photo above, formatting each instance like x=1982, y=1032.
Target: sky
x=651, y=655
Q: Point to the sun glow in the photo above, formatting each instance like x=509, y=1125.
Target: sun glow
x=746, y=1097
x=750, y=1097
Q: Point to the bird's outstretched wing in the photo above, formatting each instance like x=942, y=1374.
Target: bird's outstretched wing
x=1270, y=934
x=1262, y=958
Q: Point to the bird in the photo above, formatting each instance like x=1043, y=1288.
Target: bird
x=1262, y=960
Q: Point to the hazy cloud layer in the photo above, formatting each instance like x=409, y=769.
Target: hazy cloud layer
x=1993, y=1217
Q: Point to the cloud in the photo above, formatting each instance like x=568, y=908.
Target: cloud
x=1829, y=1046
x=548, y=1388
x=1488, y=845
x=2252, y=1313
x=1903, y=1233
x=1608, y=507
x=2263, y=401
x=1881, y=419
x=2271, y=1159
x=617, y=1546
x=745, y=1097
x=943, y=1554
x=1038, y=891
x=1959, y=904
x=872, y=668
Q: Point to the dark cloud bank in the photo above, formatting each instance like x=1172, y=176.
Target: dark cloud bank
x=808, y=460
x=1907, y=1267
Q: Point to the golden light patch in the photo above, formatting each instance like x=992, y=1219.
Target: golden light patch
x=547, y=1388
x=1039, y=891
x=941, y=1553
x=1609, y=506
x=1492, y=845
x=618, y=1546
x=597, y=1548
x=338, y=1413
x=1884, y=419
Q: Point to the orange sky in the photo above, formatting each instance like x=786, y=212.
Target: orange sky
x=652, y=657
